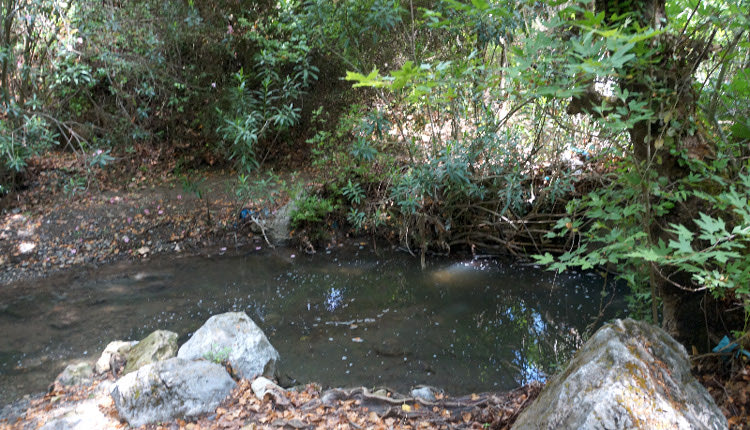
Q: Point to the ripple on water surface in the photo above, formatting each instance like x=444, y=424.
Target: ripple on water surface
x=360, y=319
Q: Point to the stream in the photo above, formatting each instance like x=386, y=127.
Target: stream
x=347, y=318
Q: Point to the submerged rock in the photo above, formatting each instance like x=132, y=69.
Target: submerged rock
x=76, y=374
x=116, y=347
x=175, y=388
x=235, y=338
x=159, y=345
x=391, y=347
x=630, y=374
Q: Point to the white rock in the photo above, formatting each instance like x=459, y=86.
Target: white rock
x=278, y=227
x=424, y=393
x=233, y=337
x=628, y=375
x=262, y=385
x=115, y=347
x=166, y=390
x=83, y=416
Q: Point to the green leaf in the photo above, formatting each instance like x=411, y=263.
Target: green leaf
x=684, y=239
x=545, y=259
x=710, y=226
x=401, y=77
x=651, y=254
x=480, y=4
x=373, y=79
x=741, y=130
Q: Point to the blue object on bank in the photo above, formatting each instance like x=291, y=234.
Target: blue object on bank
x=726, y=347
x=247, y=213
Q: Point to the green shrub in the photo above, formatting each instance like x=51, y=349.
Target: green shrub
x=312, y=210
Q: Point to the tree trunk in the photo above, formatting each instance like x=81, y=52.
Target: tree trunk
x=6, y=43
x=682, y=316
x=668, y=90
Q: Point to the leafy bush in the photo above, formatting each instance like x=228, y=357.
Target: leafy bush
x=337, y=28
x=661, y=222
x=18, y=144
x=312, y=210
x=470, y=171
x=262, y=102
x=310, y=216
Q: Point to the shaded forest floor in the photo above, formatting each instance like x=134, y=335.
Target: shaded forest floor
x=130, y=214
x=126, y=215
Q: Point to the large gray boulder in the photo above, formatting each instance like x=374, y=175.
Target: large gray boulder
x=630, y=374
x=235, y=338
x=175, y=388
x=159, y=345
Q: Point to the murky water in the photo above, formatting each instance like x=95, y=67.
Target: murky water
x=348, y=318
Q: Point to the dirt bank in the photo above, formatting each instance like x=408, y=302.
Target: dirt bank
x=44, y=230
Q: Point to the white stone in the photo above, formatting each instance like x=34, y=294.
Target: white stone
x=262, y=385
x=424, y=393
x=628, y=375
x=115, y=347
x=233, y=337
x=166, y=390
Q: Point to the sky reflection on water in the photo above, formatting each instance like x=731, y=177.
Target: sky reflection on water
x=464, y=326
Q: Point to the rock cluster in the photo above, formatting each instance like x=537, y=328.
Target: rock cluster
x=628, y=375
x=158, y=386
x=159, y=383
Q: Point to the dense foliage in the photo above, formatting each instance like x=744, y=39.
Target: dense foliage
x=595, y=134
x=667, y=211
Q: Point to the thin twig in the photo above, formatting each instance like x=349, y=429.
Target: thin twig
x=257, y=222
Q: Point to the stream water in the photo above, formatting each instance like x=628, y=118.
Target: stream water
x=348, y=318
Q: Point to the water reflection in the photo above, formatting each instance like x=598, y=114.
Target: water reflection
x=334, y=298
x=464, y=326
